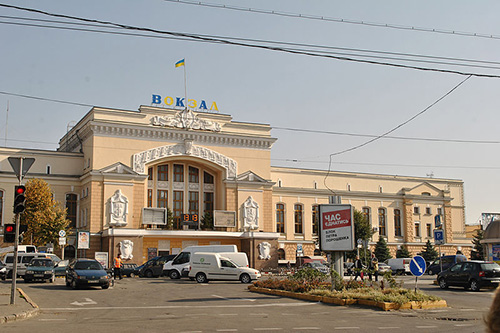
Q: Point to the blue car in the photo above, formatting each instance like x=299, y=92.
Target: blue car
x=86, y=272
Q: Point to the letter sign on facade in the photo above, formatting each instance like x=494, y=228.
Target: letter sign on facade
x=336, y=228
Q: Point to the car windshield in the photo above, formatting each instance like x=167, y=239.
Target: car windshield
x=490, y=266
x=90, y=265
x=41, y=263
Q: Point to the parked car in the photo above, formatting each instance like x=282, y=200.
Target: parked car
x=205, y=266
x=399, y=265
x=40, y=269
x=60, y=268
x=86, y=272
x=447, y=261
x=154, y=267
x=471, y=274
x=129, y=270
x=317, y=266
x=23, y=259
x=383, y=268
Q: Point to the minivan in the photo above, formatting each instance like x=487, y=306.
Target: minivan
x=206, y=266
x=447, y=261
x=23, y=259
x=179, y=266
x=399, y=265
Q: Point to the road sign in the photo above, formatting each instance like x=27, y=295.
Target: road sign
x=62, y=240
x=437, y=221
x=438, y=236
x=17, y=162
x=417, y=266
x=62, y=233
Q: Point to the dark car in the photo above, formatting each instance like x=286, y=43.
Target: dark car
x=129, y=270
x=446, y=261
x=60, y=268
x=40, y=269
x=154, y=267
x=86, y=272
x=471, y=274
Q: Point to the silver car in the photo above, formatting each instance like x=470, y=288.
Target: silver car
x=317, y=266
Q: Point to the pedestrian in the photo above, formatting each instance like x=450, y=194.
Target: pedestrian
x=493, y=318
x=373, y=267
x=358, y=269
x=288, y=266
x=118, y=266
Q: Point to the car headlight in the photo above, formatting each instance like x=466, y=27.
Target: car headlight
x=29, y=272
x=105, y=277
x=48, y=272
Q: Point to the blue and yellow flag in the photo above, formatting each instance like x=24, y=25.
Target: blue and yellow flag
x=179, y=63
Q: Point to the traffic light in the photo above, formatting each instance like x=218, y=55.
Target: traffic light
x=9, y=233
x=19, y=199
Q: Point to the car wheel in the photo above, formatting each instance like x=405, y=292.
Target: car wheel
x=132, y=275
x=245, y=278
x=105, y=286
x=201, y=278
x=149, y=274
x=174, y=275
x=474, y=285
x=430, y=272
x=442, y=283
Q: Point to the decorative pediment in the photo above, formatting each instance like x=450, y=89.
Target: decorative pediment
x=424, y=189
x=186, y=119
x=250, y=176
x=118, y=168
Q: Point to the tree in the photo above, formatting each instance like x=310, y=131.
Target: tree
x=403, y=252
x=362, y=230
x=429, y=253
x=170, y=220
x=381, y=250
x=207, y=221
x=477, y=252
x=43, y=216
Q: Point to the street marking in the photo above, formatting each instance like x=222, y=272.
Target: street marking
x=235, y=299
x=464, y=325
x=88, y=301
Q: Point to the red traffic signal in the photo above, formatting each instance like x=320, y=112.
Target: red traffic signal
x=9, y=228
x=9, y=233
x=19, y=199
x=20, y=189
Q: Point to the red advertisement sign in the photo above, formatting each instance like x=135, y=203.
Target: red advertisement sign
x=336, y=219
x=336, y=227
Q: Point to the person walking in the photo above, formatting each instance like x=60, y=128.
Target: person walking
x=118, y=266
x=373, y=267
x=358, y=269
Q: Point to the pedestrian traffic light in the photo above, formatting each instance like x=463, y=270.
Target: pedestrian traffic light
x=9, y=233
x=19, y=199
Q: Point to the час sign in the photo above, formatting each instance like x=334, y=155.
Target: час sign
x=336, y=228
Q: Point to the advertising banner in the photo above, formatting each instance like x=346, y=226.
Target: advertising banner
x=83, y=240
x=336, y=227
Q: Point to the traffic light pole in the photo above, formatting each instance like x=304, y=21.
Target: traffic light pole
x=16, y=246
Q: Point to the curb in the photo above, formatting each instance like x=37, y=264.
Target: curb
x=25, y=314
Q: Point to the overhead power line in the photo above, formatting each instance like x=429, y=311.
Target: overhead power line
x=339, y=20
x=198, y=37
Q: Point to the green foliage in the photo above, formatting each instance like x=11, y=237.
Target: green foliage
x=207, y=221
x=387, y=276
x=429, y=253
x=170, y=220
x=403, y=252
x=381, y=250
x=477, y=249
x=308, y=275
x=362, y=230
x=337, y=280
x=43, y=215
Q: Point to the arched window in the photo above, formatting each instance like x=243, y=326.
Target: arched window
x=366, y=214
x=281, y=254
x=280, y=218
x=381, y=222
x=298, y=218
x=72, y=208
x=397, y=223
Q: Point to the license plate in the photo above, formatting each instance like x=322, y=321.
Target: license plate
x=38, y=275
x=93, y=281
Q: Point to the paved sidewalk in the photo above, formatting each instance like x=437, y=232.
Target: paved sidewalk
x=23, y=308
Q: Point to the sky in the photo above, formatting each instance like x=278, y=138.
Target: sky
x=306, y=98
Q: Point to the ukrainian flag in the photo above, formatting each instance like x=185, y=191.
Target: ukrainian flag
x=179, y=63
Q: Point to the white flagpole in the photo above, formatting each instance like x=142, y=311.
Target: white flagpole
x=6, y=123
x=185, y=84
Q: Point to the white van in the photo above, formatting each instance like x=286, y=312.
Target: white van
x=399, y=265
x=179, y=266
x=206, y=266
x=26, y=249
x=239, y=258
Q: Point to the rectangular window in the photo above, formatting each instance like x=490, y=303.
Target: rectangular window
x=178, y=173
x=366, y=213
x=163, y=173
x=150, y=198
x=208, y=178
x=72, y=210
x=150, y=173
x=397, y=223
x=208, y=202
x=429, y=230
x=416, y=210
x=298, y=214
x=428, y=210
x=162, y=199
x=178, y=208
x=315, y=219
x=194, y=176
x=381, y=222
x=280, y=218
x=417, y=229
x=194, y=202
x=440, y=211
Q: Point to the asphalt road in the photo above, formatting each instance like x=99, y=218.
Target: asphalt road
x=164, y=305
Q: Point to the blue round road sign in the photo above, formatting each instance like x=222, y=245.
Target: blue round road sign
x=417, y=266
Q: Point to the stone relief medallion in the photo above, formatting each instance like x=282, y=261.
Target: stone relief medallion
x=264, y=251
x=118, y=210
x=126, y=249
x=186, y=119
x=250, y=214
